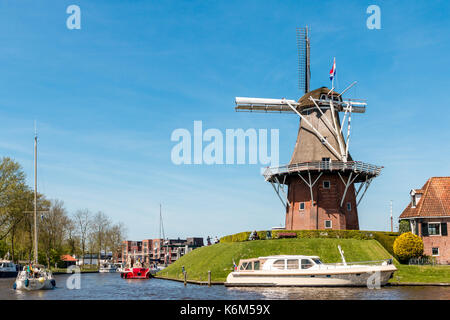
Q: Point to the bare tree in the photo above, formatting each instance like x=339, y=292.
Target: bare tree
x=100, y=225
x=116, y=235
x=83, y=223
x=53, y=230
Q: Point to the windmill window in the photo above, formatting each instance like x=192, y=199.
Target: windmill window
x=349, y=206
x=326, y=184
x=301, y=206
x=328, y=224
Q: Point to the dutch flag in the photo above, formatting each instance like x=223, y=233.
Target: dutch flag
x=333, y=70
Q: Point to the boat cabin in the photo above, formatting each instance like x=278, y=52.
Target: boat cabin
x=279, y=263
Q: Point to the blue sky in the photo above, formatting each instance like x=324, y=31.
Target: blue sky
x=108, y=96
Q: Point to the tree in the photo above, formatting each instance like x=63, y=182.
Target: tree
x=15, y=198
x=408, y=246
x=116, y=234
x=83, y=223
x=53, y=228
x=404, y=226
x=100, y=226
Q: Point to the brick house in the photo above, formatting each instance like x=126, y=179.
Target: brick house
x=429, y=214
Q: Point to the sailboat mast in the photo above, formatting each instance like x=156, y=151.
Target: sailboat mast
x=35, y=202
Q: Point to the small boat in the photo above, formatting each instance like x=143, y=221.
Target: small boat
x=309, y=271
x=119, y=267
x=107, y=268
x=34, y=277
x=136, y=271
x=154, y=269
x=8, y=269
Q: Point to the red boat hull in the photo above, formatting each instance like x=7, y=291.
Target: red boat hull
x=136, y=273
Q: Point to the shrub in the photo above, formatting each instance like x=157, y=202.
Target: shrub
x=386, y=240
x=404, y=226
x=408, y=246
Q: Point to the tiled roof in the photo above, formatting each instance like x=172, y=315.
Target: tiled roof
x=67, y=257
x=435, y=201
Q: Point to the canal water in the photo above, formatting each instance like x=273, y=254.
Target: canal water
x=106, y=286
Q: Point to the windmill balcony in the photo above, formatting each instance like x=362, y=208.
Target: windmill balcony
x=364, y=170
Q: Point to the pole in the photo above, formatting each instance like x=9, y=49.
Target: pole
x=392, y=219
x=209, y=278
x=35, y=201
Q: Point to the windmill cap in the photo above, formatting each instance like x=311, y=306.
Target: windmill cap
x=315, y=94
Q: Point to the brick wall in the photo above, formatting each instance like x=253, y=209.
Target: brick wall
x=436, y=241
x=326, y=205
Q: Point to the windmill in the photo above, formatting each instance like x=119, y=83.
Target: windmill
x=317, y=187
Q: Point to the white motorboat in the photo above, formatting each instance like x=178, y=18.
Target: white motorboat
x=299, y=270
x=107, y=268
x=8, y=269
x=34, y=278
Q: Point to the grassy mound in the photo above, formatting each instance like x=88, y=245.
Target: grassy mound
x=219, y=257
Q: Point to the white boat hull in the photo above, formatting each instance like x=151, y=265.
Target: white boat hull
x=35, y=284
x=360, y=277
x=108, y=270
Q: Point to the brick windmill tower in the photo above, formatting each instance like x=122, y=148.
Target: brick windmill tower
x=318, y=187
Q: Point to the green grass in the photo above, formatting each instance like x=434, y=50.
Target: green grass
x=424, y=274
x=219, y=257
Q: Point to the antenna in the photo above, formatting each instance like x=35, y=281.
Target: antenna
x=392, y=219
x=161, y=225
x=304, y=72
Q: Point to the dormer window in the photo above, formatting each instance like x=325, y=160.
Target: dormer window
x=415, y=198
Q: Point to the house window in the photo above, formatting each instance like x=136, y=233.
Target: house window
x=301, y=206
x=328, y=224
x=435, y=252
x=349, y=206
x=434, y=229
x=326, y=184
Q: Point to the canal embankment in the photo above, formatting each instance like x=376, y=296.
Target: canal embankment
x=218, y=259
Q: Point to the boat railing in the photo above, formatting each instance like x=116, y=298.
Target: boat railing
x=359, y=263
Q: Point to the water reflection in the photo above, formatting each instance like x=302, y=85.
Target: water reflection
x=110, y=286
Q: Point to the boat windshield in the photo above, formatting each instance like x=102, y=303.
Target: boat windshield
x=317, y=261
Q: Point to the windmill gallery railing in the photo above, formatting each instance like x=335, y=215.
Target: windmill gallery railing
x=354, y=166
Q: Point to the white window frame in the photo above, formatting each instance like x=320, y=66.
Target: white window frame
x=435, y=255
x=299, y=206
x=439, y=234
x=329, y=184
x=331, y=224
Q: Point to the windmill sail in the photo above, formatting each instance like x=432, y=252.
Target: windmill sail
x=304, y=72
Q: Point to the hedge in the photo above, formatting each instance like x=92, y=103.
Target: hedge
x=386, y=239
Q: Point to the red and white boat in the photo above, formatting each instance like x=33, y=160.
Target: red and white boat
x=137, y=271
